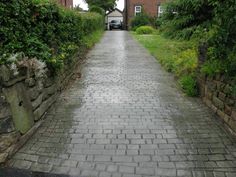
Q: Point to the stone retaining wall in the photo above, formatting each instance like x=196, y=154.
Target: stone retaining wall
x=217, y=93
x=24, y=99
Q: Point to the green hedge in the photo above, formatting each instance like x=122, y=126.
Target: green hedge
x=43, y=29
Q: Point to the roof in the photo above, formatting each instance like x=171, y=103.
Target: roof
x=116, y=9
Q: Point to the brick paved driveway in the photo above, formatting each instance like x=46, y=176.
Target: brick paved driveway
x=126, y=118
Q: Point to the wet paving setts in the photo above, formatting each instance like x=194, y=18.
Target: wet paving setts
x=126, y=117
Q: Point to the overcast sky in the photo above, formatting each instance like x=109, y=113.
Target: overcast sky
x=120, y=4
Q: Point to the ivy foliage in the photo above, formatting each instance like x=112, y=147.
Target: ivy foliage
x=212, y=22
x=44, y=30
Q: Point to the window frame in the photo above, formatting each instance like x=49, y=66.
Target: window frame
x=160, y=10
x=136, y=12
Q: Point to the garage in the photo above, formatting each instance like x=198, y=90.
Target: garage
x=116, y=14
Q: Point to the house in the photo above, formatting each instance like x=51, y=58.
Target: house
x=134, y=7
x=116, y=14
x=66, y=3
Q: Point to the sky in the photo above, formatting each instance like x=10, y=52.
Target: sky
x=120, y=4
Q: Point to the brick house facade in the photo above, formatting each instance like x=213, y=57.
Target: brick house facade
x=66, y=3
x=133, y=7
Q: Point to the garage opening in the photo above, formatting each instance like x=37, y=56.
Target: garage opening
x=114, y=20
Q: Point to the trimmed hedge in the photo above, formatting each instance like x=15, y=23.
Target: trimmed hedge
x=44, y=30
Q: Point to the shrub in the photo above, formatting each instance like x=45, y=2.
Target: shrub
x=43, y=30
x=212, y=67
x=157, y=22
x=189, y=84
x=144, y=30
x=140, y=20
x=97, y=9
x=189, y=15
x=207, y=22
x=185, y=62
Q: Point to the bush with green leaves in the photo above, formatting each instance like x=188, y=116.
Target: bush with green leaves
x=205, y=21
x=182, y=17
x=44, y=30
x=144, y=30
x=185, y=62
x=212, y=67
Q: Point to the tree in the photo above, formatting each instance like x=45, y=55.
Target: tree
x=107, y=5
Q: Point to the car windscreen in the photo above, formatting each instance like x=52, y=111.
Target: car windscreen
x=114, y=21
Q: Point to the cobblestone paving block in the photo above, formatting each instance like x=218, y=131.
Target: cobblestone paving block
x=90, y=173
x=105, y=174
x=112, y=168
x=165, y=172
x=41, y=167
x=22, y=164
x=69, y=163
x=60, y=170
x=125, y=169
x=145, y=171
x=74, y=172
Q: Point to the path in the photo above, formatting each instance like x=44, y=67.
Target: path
x=126, y=118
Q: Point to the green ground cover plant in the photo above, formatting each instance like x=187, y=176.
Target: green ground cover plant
x=44, y=30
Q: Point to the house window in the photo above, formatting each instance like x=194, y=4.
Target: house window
x=138, y=10
x=160, y=10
